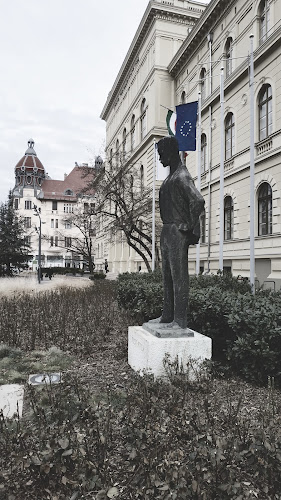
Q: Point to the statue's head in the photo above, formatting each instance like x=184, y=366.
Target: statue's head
x=168, y=150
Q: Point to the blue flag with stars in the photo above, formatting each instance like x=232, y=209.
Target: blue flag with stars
x=186, y=126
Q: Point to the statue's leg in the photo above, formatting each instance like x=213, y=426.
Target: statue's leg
x=168, y=306
x=179, y=266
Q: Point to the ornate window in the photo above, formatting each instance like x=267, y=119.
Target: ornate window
x=229, y=136
x=202, y=79
x=264, y=20
x=143, y=119
x=203, y=152
x=133, y=133
x=264, y=209
x=265, y=112
x=228, y=218
x=228, y=56
x=183, y=96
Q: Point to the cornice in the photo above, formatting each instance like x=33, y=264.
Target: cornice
x=198, y=33
x=154, y=11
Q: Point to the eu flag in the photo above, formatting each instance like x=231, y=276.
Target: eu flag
x=186, y=126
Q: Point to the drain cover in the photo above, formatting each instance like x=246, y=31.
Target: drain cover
x=44, y=378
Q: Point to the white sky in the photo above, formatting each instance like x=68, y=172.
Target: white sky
x=59, y=60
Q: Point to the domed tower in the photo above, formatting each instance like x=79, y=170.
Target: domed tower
x=29, y=172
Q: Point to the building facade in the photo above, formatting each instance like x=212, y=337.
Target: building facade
x=178, y=51
x=135, y=111
x=59, y=204
x=220, y=43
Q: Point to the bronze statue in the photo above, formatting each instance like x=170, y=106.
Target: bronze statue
x=180, y=207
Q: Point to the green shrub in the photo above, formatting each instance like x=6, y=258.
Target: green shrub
x=97, y=276
x=245, y=328
x=256, y=350
x=62, y=270
x=141, y=294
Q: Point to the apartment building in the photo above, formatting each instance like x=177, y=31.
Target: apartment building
x=57, y=203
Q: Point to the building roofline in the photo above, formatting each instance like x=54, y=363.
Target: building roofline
x=200, y=30
x=154, y=7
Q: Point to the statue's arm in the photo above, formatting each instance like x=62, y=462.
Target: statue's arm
x=194, y=201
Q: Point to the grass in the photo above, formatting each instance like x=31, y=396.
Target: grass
x=28, y=283
x=15, y=365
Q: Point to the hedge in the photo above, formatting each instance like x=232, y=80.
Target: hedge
x=245, y=328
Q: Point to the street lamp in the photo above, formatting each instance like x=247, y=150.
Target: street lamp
x=37, y=213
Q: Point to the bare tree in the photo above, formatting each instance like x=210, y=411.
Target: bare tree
x=124, y=204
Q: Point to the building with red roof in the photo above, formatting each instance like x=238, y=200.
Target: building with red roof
x=58, y=203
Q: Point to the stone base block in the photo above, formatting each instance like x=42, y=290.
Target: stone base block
x=147, y=352
x=11, y=400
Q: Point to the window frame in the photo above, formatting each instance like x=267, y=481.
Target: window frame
x=265, y=200
x=203, y=153
x=133, y=133
x=228, y=56
x=143, y=124
x=264, y=19
x=265, y=103
x=228, y=218
x=229, y=135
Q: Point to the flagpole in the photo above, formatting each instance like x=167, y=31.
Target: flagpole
x=221, y=172
x=198, y=175
x=252, y=168
x=153, y=210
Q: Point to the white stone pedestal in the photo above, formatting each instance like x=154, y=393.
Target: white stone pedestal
x=146, y=352
x=11, y=399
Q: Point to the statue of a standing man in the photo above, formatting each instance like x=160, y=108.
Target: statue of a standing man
x=180, y=207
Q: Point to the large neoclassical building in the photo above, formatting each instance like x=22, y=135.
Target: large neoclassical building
x=178, y=51
x=56, y=202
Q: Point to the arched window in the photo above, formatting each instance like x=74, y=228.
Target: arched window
x=264, y=20
x=202, y=79
x=111, y=159
x=133, y=133
x=183, y=96
x=203, y=152
x=124, y=143
x=143, y=119
x=229, y=136
x=141, y=178
x=117, y=153
x=228, y=218
x=264, y=209
x=203, y=227
x=265, y=112
x=228, y=56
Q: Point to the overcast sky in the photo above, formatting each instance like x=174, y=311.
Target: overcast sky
x=59, y=60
